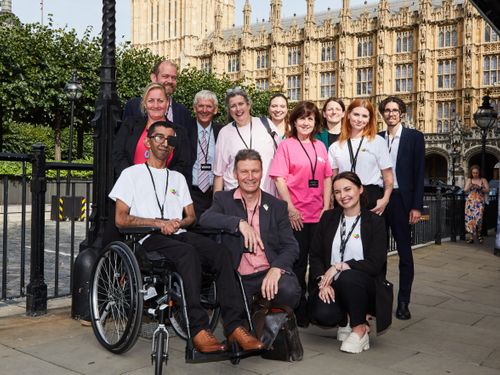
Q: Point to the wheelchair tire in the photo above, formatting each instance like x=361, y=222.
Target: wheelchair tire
x=208, y=299
x=159, y=355
x=116, y=301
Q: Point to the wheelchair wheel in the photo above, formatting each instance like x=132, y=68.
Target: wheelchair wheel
x=208, y=299
x=115, y=296
x=159, y=355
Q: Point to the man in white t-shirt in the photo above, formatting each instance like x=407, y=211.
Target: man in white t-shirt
x=151, y=195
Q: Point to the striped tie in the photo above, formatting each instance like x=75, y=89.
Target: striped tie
x=203, y=176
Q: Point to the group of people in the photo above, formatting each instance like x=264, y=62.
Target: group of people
x=305, y=190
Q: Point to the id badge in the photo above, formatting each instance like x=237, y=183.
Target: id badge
x=313, y=183
x=206, y=167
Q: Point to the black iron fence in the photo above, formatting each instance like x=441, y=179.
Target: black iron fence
x=44, y=221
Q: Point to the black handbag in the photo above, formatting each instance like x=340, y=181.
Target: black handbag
x=276, y=327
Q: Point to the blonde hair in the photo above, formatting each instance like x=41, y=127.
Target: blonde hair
x=147, y=90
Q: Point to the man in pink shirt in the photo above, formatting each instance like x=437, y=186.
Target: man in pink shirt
x=266, y=250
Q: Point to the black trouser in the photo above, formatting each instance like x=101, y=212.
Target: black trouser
x=189, y=253
x=201, y=200
x=398, y=218
x=304, y=238
x=372, y=193
x=354, y=296
x=288, y=288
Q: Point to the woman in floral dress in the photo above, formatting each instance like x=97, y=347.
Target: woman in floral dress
x=476, y=187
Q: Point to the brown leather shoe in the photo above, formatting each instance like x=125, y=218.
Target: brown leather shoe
x=244, y=339
x=205, y=342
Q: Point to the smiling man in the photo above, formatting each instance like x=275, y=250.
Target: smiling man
x=266, y=255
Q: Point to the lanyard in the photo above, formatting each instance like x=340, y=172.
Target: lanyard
x=239, y=134
x=354, y=158
x=250, y=220
x=160, y=206
x=390, y=145
x=205, y=152
x=313, y=169
x=343, y=238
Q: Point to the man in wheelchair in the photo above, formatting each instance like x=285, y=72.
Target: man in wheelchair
x=266, y=255
x=151, y=195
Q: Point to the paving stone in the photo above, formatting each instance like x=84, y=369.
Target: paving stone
x=493, y=360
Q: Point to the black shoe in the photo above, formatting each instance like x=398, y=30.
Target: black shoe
x=402, y=312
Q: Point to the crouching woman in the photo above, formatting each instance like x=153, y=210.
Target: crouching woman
x=348, y=263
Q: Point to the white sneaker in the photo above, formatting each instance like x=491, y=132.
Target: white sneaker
x=354, y=344
x=343, y=332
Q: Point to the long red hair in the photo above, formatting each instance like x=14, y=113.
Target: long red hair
x=370, y=130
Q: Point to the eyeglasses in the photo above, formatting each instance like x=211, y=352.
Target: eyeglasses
x=237, y=90
x=160, y=138
x=391, y=111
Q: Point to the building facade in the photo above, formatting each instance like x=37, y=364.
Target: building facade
x=439, y=56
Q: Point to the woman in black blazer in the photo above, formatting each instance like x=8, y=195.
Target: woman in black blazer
x=348, y=262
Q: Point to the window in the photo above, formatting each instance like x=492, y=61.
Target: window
x=447, y=74
x=328, y=51
x=293, y=91
x=491, y=70
x=233, y=63
x=404, y=77
x=364, y=81
x=404, y=42
x=365, y=46
x=327, y=84
x=294, y=55
x=490, y=35
x=262, y=60
x=206, y=65
x=445, y=116
x=447, y=36
x=262, y=84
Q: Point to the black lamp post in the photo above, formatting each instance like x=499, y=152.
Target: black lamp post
x=73, y=90
x=485, y=117
x=454, y=156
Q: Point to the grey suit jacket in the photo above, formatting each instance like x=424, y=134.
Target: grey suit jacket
x=280, y=245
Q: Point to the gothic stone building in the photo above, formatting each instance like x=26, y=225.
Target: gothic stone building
x=439, y=56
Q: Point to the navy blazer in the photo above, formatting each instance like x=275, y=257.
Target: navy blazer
x=182, y=116
x=126, y=140
x=280, y=246
x=410, y=168
x=374, y=263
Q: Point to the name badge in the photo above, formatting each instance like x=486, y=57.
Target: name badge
x=313, y=183
x=206, y=167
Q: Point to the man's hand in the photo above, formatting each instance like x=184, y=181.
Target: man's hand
x=168, y=227
x=251, y=237
x=415, y=216
x=269, y=286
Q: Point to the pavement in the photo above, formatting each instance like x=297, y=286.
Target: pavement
x=455, y=329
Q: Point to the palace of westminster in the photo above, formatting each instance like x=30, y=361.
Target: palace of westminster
x=439, y=56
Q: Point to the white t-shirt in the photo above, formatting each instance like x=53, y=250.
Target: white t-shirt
x=135, y=188
x=229, y=143
x=354, y=246
x=372, y=158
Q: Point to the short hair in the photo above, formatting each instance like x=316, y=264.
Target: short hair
x=247, y=154
x=156, y=67
x=158, y=124
x=303, y=109
x=354, y=178
x=206, y=95
x=330, y=99
x=147, y=90
x=392, y=99
x=370, y=131
x=231, y=93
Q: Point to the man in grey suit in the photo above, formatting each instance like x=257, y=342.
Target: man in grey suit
x=266, y=250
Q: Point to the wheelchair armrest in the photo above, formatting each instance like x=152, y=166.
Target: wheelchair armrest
x=206, y=231
x=139, y=230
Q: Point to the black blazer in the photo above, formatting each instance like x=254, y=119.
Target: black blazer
x=410, y=168
x=126, y=141
x=374, y=240
x=280, y=246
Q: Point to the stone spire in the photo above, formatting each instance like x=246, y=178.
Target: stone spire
x=247, y=16
x=345, y=12
x=218, y=22
x=276, y=14
x=310, y=12
x=6, y=6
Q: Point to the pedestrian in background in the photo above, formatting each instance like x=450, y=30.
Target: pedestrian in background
x=476, y=188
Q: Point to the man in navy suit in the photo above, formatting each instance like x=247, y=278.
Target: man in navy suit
x=407, y=151
x=165, y=73
x=203, y=132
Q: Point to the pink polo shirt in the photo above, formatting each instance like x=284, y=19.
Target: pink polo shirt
x=252, y=262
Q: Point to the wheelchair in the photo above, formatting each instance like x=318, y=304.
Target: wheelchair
x=127, y=281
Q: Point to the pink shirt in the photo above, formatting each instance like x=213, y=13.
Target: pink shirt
x=252, y=262
x=292, y=163
x=141, y=150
